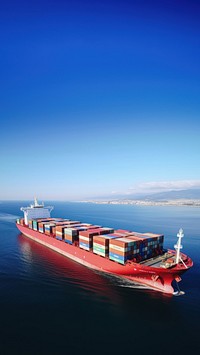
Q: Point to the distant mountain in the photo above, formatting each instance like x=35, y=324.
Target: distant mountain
x=193, y=194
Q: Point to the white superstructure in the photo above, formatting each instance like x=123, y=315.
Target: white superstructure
x=36, y=211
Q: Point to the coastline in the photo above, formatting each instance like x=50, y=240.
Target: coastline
x=181, y=202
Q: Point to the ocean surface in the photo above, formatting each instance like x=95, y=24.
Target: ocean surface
x=52, y=305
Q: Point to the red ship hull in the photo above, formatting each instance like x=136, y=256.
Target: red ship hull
x=157, y=278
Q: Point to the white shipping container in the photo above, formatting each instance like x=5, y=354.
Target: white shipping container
x=81, y=237
x=116, y=247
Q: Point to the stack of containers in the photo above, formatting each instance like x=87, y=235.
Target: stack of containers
x=136, y=247
x=154, y=244
x=60, y=232
x=20, y=221
x=67, y=222
x=30, y=224
x=144, y=247
x=151, y=244
x=122, y=249
x=37, y=221
x=71, y=233
x=101, y=244
x=35, y=224
x=57, y=223
x=48, y=228
x=59, y=228
x=53, y=229
x=41, y=226
x=86, y=238
x=140, y=246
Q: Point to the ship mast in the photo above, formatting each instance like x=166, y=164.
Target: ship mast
x=178, y=247
x=36, y=202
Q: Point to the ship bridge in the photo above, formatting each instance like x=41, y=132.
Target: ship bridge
x=36, y=210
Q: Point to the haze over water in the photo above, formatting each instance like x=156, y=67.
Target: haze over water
x=52, y=305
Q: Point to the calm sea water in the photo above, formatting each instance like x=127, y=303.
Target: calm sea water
x=51, y=305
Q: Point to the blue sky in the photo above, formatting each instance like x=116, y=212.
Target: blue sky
x=98, y=97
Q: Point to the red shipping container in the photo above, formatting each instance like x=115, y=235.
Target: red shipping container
x=123, y=231
x=101, y=240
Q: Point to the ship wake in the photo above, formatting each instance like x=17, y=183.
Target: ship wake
x=6, y=217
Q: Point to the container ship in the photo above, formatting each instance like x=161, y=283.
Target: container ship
x=137, y=257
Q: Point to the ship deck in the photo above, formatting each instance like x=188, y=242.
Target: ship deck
x=158, y=260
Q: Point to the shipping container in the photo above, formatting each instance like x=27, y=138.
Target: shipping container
x=30, y=224
x=107, y=230
x=37, y=221
x=85, y=245
x=21, y=221
x=41, y=227
x=48, y=228
x=123, y=231
x=70, y=239
x=123, y=249
x=151, y=244
x=59, y=231
x=101, y=245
